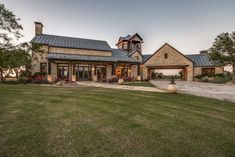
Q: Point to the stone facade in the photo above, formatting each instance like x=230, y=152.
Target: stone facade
x=198, y=70
x=168, y=57
x=79, y=51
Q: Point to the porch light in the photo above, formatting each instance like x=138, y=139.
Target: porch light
x=189, y=69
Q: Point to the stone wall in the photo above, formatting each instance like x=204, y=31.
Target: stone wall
x=80, y=51
x=134, y=71
x=137, y=54
x=219, y=70
x=174, y=58
x=41, y=58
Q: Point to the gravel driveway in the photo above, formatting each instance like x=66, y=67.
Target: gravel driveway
x=217, y=91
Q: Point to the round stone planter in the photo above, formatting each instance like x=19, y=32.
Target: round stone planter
x=138, y=78
x=172, y=88
x=95, y=78
x=120, y=81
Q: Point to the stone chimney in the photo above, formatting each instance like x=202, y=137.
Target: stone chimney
x=204, y=52
x=38, y=28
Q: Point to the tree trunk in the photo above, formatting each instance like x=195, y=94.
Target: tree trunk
x=233, y=79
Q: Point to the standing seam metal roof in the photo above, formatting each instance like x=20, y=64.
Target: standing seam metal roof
x=200, y=60
x=71, y=42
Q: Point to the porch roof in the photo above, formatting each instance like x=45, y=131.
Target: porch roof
x=117, y=56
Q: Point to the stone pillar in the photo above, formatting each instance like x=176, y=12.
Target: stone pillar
x=70, y=71
x=49, y=77
x=93, y=72
x=114, y=65
x=73, y=72
x=138, y=73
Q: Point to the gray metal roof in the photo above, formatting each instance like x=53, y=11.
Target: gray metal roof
x=145, y=57
x=71, y=42
x=117, y=56
x=200, y=60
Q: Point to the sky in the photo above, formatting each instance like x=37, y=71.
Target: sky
x=188, y=25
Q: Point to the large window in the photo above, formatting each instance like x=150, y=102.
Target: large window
x=208, y=71
x=43, y=67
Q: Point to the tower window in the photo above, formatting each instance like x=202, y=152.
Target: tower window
x=166, y=56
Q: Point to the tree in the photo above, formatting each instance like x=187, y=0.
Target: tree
x=9, y=25
x=223, y=51
x=9, y=28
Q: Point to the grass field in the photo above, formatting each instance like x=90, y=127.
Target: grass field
x=47, y=121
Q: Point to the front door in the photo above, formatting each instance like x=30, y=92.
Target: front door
x=83, y=72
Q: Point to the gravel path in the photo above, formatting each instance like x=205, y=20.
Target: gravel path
x=217, y=91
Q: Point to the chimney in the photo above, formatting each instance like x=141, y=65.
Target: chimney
x=38, y=28
x=204, y=52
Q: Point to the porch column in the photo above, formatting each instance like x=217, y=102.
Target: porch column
x=93, y=71
x=114, y=65
x=49, y=77
x=70, y=71
x=73, y=71
x=138, y=72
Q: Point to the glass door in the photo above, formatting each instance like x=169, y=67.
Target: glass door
x=62, y=71
x=83, y=72
x=101, y=73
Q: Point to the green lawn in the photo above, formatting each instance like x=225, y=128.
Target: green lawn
x=49, y=121
x=140, y=83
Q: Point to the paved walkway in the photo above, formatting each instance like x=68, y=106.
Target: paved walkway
x=115, y=86
x=217, y=91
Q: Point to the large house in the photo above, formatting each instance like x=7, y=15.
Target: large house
x=85, y=59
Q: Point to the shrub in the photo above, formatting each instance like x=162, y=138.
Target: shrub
x=23, y=80
x=40, y=82
x=205, y=79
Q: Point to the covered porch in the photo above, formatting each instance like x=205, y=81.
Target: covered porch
x=87, y=71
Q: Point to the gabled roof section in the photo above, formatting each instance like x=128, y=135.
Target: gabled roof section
x=166, y=44
x=146, y=57
x=129, y=37
x=136, y=34
x=200, y=60
x=133, y=52
x=71, y=42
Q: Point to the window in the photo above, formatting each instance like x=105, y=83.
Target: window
x=43, y=67
x=208, y=71
x=165, y=55
x=137, y=58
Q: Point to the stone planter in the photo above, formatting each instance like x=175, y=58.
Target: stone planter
x=120, y=81
x=172, y=88
x=95, y=78
x=138, y=78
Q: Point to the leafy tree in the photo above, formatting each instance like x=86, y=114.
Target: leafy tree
x=9, y=27
x=14, y=57
x=223, y=51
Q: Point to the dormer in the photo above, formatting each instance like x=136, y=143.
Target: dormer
x=130, y=43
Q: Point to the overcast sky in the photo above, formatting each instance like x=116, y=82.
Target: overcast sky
x=188, y=25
